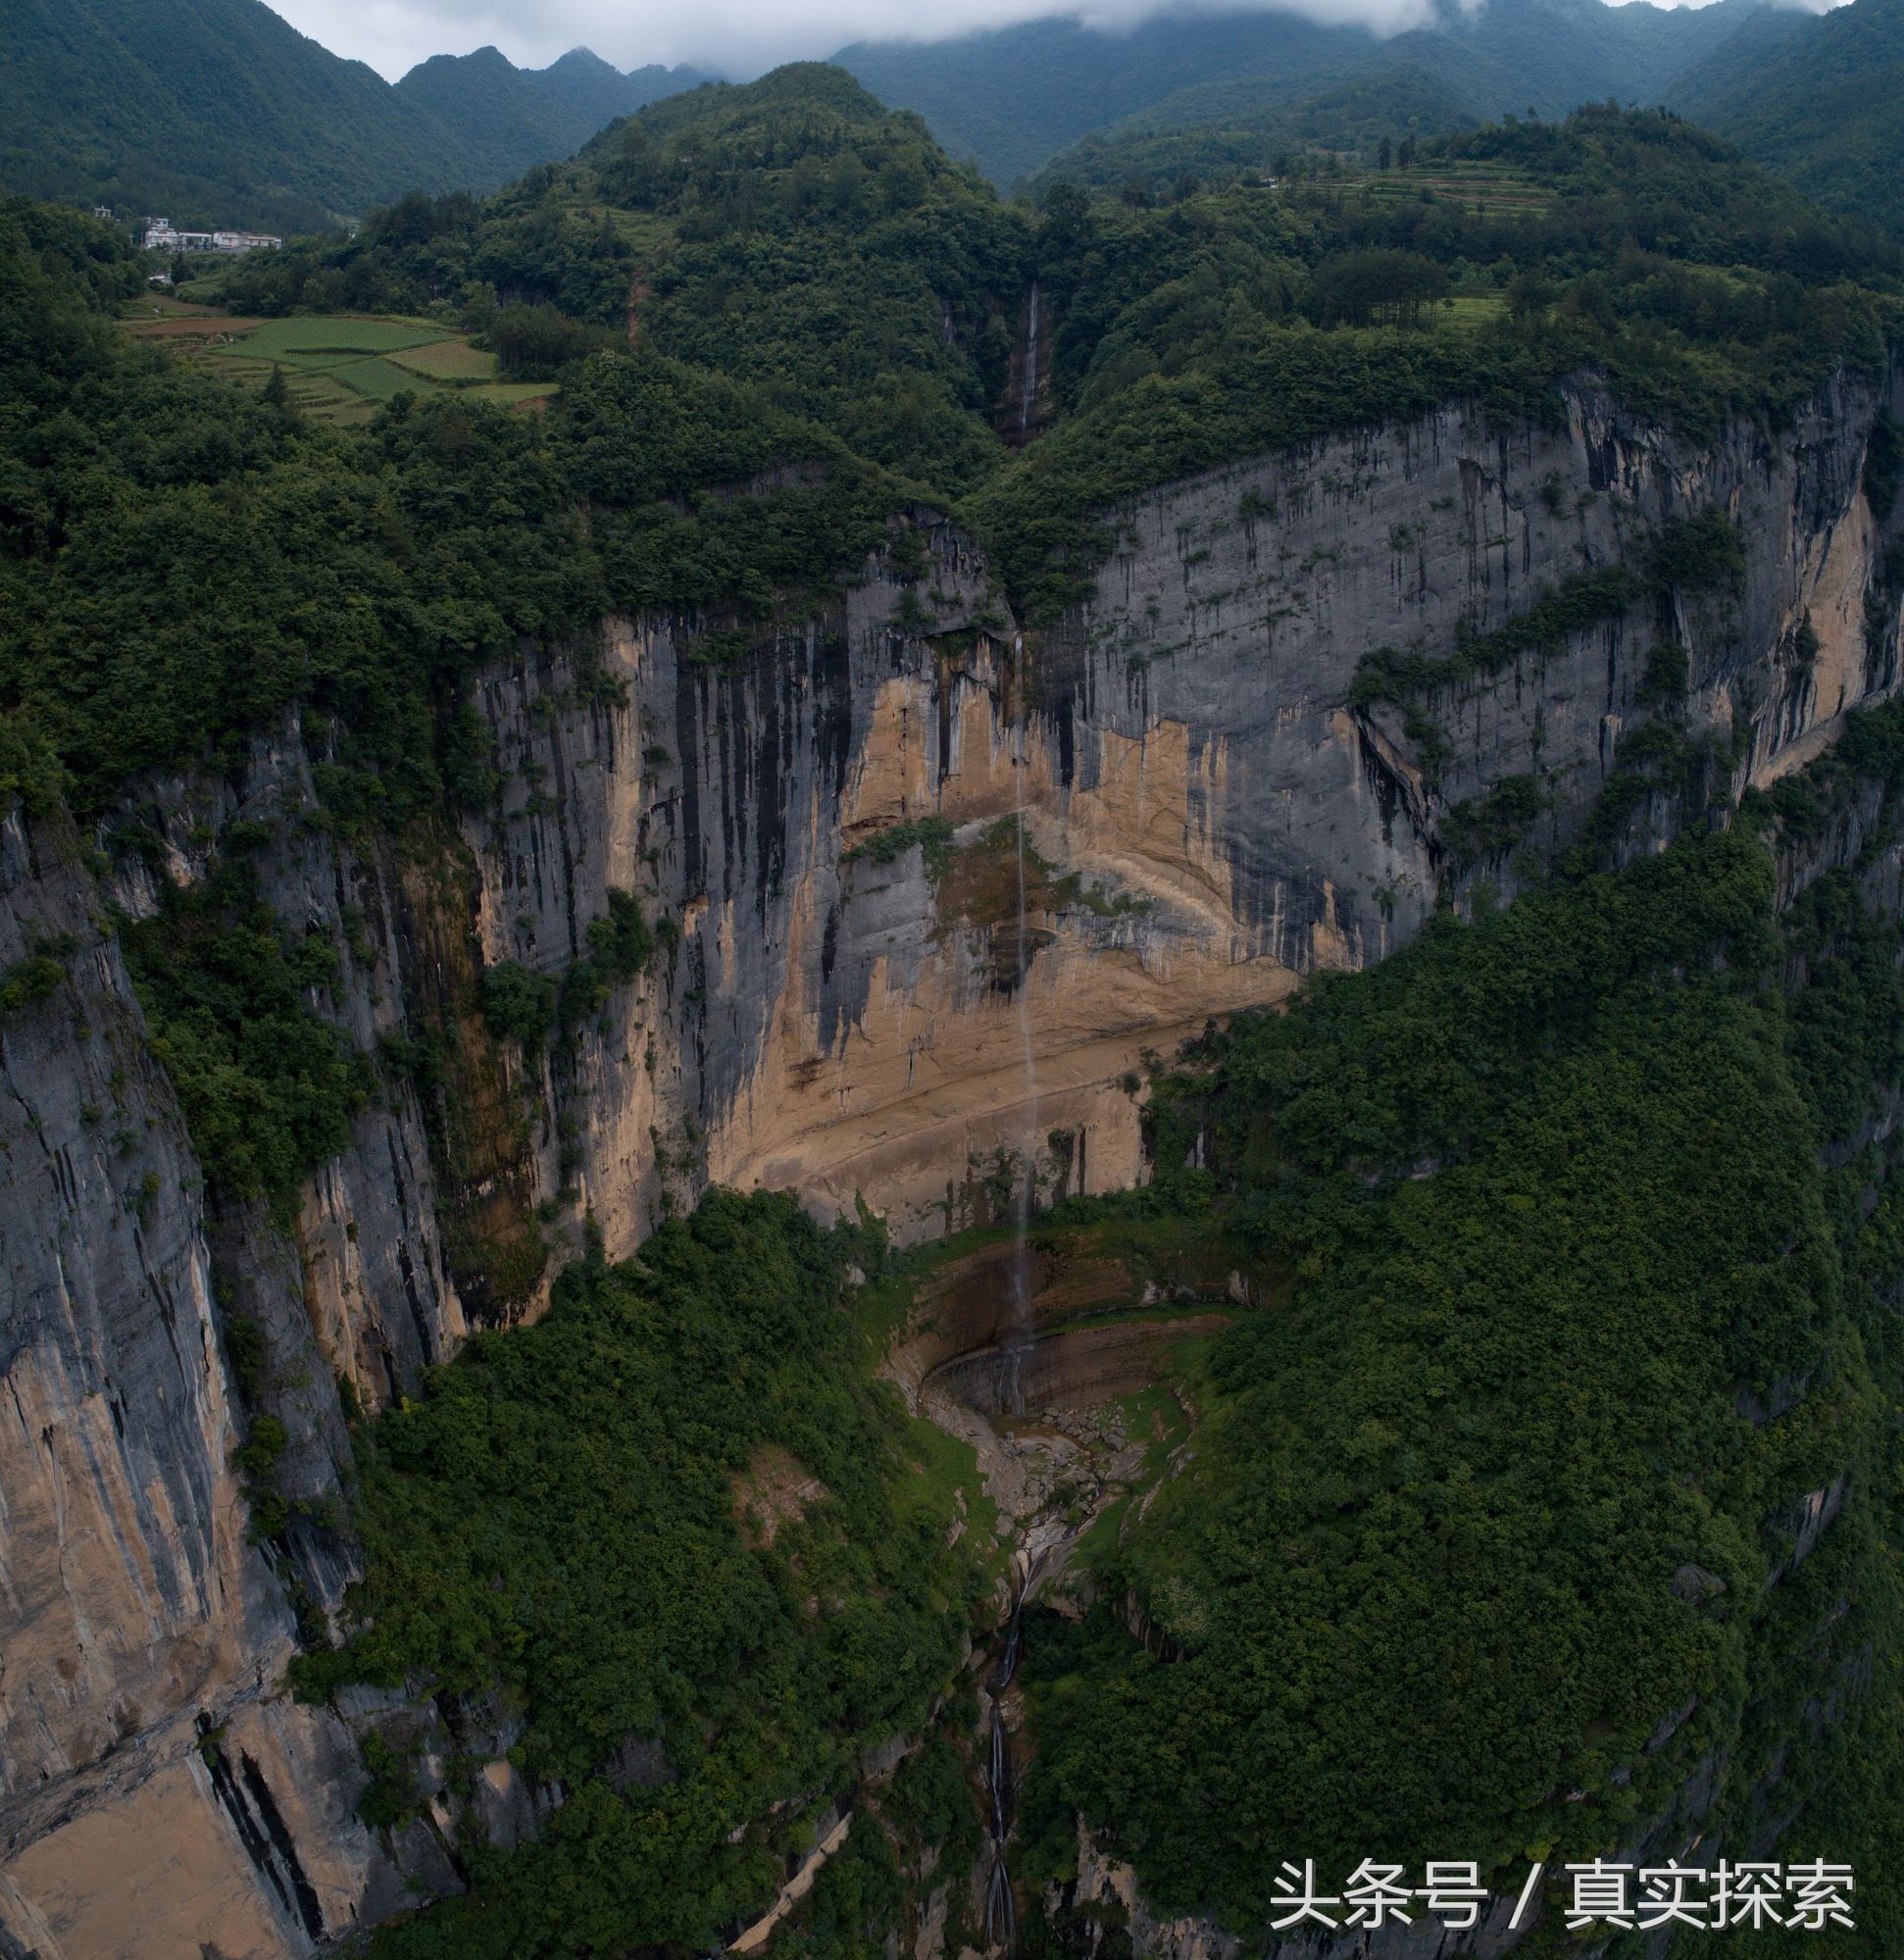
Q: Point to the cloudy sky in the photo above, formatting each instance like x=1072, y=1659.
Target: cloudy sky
x=735, y=37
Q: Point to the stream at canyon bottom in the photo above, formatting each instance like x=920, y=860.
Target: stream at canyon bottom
x=1001, y=1912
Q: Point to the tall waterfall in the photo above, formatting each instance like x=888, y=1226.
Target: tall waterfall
x=1019, y=1331
x=1001, y=1910
x=1028, y=383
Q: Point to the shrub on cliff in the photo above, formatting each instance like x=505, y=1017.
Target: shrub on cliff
x=269, y=1087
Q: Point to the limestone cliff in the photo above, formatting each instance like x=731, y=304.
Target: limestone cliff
x=1213, y=815
x=822, y=829
x=157, y=1791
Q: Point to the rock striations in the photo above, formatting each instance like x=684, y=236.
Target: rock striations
x=1217, y=801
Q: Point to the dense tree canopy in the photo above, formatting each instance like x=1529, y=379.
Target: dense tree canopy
x=562, y=1522
x=1490, y=1534
x=1500, y=1484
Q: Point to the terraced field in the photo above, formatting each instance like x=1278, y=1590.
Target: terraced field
x=447, y=361
x=1490, y=189
x=337, y=367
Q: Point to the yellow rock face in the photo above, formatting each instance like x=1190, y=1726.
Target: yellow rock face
x=909, y=1106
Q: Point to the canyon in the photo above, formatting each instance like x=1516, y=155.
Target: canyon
x=824, y=830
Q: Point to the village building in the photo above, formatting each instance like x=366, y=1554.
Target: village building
x=162, y=237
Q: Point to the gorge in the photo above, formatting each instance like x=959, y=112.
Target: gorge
x=792, y=1153
x=1207, y=816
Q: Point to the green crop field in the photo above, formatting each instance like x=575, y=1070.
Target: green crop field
x=447, y=361
x=337, y=367
x=517, y=394
x=1486, y=188
x=324, y=333
x=376, y=379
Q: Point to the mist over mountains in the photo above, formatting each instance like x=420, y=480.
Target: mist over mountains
x=1013, y=99
x=220, y=112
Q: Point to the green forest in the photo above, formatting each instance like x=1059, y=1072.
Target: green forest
x=794, y=236
x=1500, y=1483
x=561, y=1523
x=1812, y=98
x=1588, y=1271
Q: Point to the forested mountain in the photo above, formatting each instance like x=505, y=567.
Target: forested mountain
x=219, y=112
x=599, y=91
x=1815, y=98
x=1217, y=132
x=791, y=234
x=1013, y=98
x=502, y=118
x=1282, y=804
x=1812, y=96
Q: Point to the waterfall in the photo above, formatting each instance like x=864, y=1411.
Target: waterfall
x=1018, y=1332
x=1008, y=1661
x=1027, y=388
x=1001, y=1914
x=1000, y=1793
x=1001, y=1911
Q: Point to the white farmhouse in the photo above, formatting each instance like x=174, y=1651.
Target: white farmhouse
x=162, y=237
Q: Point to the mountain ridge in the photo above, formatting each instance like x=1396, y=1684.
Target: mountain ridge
x=1008, y=98
x=220, y=112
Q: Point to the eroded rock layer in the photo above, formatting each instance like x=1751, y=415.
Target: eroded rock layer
x=825, y=832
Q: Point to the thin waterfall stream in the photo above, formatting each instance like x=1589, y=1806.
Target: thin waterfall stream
x=1001, y=1911
x=1039, y=1381
x=1027, y=393
x=1018, y=1332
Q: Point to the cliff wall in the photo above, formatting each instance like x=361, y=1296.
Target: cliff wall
x=1211, y=815
x=824, y=831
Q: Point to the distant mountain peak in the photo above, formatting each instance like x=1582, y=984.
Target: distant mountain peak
x=581, y=58
x=486, y=60
x=218, y=112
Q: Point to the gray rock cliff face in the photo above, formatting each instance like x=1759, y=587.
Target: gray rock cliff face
x=138, y=1615
x=1212, y=812
x=1219, y=813
x=157, y=1791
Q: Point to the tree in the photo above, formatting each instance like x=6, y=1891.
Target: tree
x=632, y=174
x=1379, y=287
